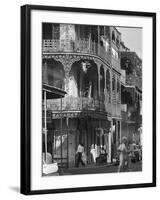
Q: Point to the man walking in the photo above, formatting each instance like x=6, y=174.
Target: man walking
x=79, y=152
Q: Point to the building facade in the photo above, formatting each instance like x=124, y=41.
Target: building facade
x=131, y=96
x=84, y=61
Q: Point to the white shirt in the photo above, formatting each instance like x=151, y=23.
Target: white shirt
x=122, y=147
x=80, y=149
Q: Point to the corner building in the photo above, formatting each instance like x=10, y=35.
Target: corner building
x=84, y=61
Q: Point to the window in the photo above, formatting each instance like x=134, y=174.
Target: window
x=56, y=31
x=113, y=36
x=113, y=83
x=118, y=86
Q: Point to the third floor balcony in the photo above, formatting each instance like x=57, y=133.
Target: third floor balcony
x=84, y=46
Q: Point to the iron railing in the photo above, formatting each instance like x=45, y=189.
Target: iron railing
x=85, y=46
x=76, y=103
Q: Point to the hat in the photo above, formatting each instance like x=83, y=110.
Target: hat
x=124, y=138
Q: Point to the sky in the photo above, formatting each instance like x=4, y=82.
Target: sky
x=132, y=38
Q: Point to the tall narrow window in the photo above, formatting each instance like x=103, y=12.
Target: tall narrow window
x=108, y=85
x=113, y=83
x=113, y=36
x=56, y=31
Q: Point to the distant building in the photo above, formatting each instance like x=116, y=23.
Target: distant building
x=131, y=96
x=49, y=91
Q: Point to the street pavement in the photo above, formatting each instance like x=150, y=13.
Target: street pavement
x=94, y=169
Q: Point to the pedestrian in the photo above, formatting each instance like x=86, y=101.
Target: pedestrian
x=93, y=153
x=123, y=155
x=79, y=152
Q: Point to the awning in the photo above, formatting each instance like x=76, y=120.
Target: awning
x=53, y=92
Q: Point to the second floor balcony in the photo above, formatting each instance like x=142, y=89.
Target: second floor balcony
x=75, y=104
x=80, y=104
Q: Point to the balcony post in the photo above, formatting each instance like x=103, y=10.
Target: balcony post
x=98, y=39
x=61, y=124
x=105, y=85
x=98, y=69
x=120, y=133
x=45, y=77
x=110, y=142
x=111, y=93
x=116, y=95
x=45, y=124
x=67, y=82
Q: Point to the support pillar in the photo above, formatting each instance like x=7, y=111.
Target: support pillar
x=67, y=122
x=116, y=97
x=98, y=69
x=120, y=134
x=105, y=85
x=110, y=143
x=98, y=40
x=61, y=124
x=45, y=124
x=45, y=77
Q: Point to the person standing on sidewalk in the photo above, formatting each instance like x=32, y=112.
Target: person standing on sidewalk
x=123, y=155
x=93, y=153
x=79, y=152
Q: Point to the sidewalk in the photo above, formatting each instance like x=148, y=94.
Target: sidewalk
x=90, y=168
x=102, y=168
x=93, y=165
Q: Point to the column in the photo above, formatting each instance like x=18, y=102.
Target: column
x=45, y=77
x=117, y=134
x=98, y=69
x=67, y=122
x=67, y=81
x=45, y=124
x=105, y=86
x=52, y=31
x=110, y=142
x=120, y=134
x=111, y=93
x=109, y=147
x=98, y=40
x=116, y=95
